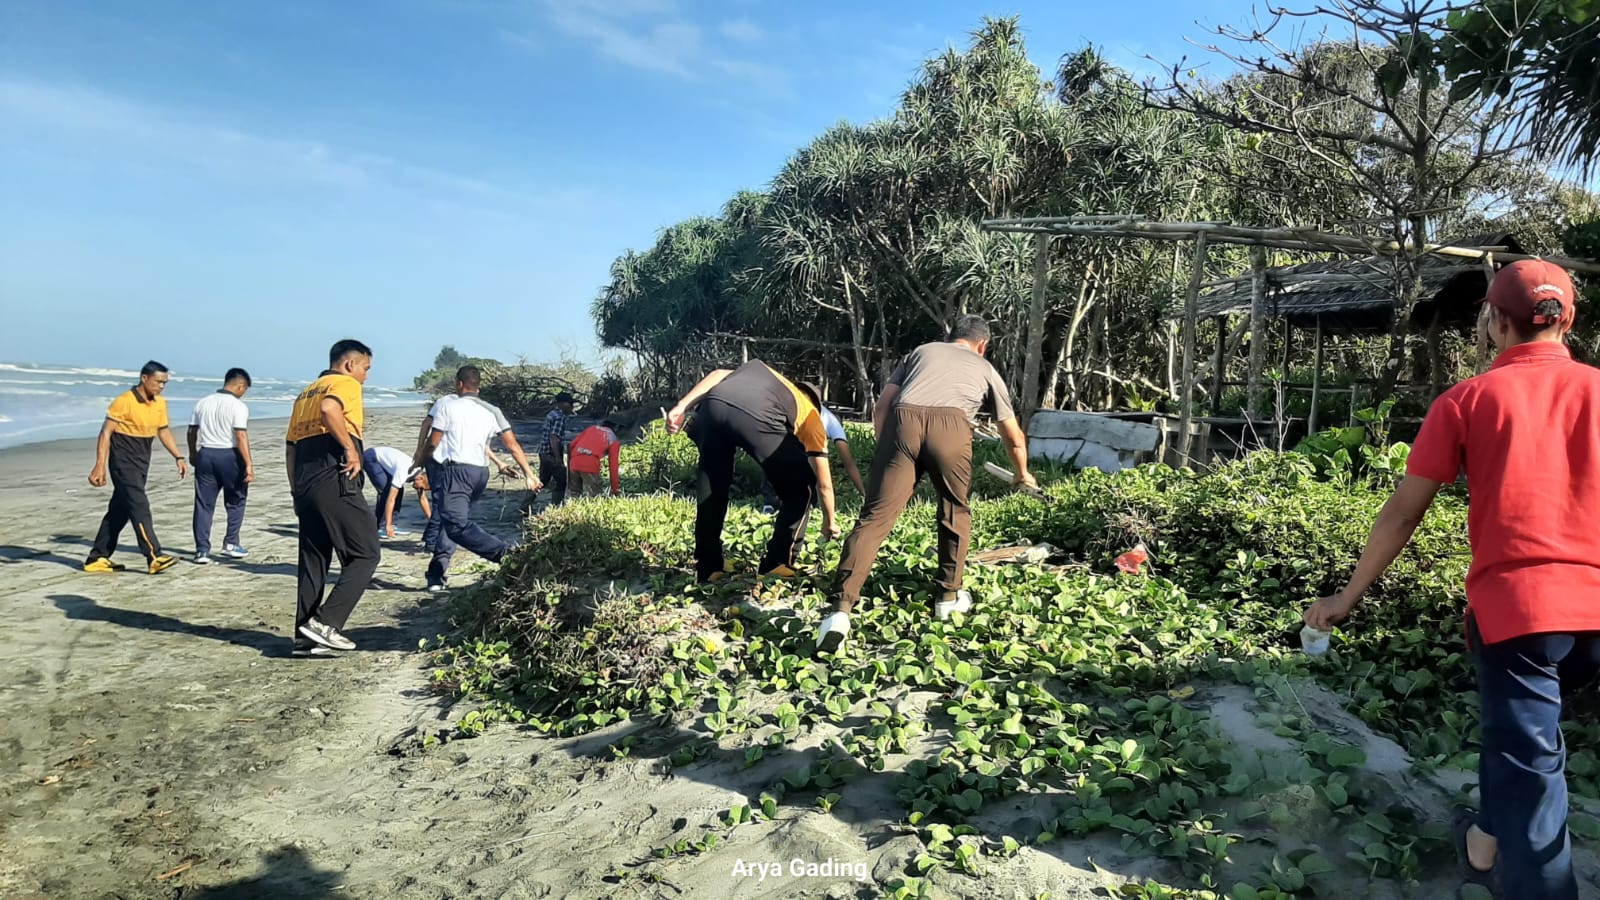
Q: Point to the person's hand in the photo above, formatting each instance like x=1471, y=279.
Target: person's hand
x=1025, y=479
x=183, y=468
x=249, y=474
x=831, y=530
x=534, y=484
x=352, y=465
x=675, y=419
x=1329, y=611
x=97, y=476
x=388, y=532
x=421, y=482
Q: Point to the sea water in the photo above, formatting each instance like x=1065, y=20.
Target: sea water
x=47, y=403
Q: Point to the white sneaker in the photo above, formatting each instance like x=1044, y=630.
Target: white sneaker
x=944, y=609
x=316, y=630
x=831, y=633
x=201, y=559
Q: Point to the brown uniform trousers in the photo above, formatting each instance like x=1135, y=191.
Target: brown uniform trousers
x=916, y=440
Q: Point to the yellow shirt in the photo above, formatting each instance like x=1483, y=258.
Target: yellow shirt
x=138, y=418
x=808, y=425
x=305, y=419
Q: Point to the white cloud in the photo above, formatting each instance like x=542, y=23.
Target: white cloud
x=651, y=36
x=110, y=130
x=742, y=30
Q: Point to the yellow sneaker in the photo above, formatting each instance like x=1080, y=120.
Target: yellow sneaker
x=102, y=565
x=162, y=563
x=780, y=571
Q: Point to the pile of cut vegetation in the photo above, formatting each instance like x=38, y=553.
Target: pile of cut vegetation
x=1161, y=725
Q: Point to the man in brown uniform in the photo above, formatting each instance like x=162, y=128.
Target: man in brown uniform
x=924, y=425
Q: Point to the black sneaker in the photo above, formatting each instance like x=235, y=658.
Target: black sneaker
x=316, y=630
x=304, y=649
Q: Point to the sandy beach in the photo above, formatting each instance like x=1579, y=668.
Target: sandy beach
x=157, y=723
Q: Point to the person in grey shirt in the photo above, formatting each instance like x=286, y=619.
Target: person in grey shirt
x=924, y=423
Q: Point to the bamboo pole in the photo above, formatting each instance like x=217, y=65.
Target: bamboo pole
x=1191, y=308
x=1281, y=238
x=1258, y=327
x=1316, y=380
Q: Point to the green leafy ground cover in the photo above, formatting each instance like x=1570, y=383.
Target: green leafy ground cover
x=1085, y=695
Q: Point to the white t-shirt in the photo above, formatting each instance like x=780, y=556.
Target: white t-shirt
x=395, y=464
x=466, y=425
x=218, y=416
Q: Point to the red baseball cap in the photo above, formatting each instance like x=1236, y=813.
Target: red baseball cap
x=1518, y=289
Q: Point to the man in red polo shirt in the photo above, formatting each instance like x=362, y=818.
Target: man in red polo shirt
x=1527, y=433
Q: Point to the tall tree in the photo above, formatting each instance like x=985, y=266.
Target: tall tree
x=1374, y=108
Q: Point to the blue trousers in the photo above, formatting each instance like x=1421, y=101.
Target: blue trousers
x=218, y=470
x=455, y=489
x=1522, y=766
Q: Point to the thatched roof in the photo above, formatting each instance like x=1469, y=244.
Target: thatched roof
x=1359, y=294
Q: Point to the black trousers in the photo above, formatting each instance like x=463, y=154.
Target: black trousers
x=553, y=472
x=334, y=519
x=720, y=430
x=129, y=505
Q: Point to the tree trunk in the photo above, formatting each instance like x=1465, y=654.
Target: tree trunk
x=857, y=337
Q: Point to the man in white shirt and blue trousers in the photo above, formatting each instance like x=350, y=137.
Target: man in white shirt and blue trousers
x=219, y=450
x=458, y=471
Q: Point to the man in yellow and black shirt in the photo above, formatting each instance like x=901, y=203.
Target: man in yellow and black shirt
x=324, y=458
x=132, y=423
x=776, y=422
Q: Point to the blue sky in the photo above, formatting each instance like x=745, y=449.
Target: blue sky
x=213, y=184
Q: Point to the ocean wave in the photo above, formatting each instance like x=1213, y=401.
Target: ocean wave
x=47, y=370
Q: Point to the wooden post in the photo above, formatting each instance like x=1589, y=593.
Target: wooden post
x=1191, y=313
x=1316, y=380
x=1034, y=351
x=1219, y=364
x=744, y=351
x=1280, y=410
x=1258, y=328
x=1485, y=347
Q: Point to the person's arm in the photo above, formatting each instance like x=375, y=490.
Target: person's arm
x=676, y=415
x=333, y=420
x=423, y=454
x=613, y=455
x=389, y=499
x=881, y=408
x=1017, y=448
x=830, y=525
x=241, y=439
x=1396, y=522
x=509, y=438
x=171, y=443
x=288, y=463
x=850, y=466
x=102, y=454
x=194, y=445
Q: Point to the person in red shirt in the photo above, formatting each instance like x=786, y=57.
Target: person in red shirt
x=1527, y=433
x=593, y=444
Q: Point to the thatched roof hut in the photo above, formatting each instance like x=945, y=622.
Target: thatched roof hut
x=1358, y=295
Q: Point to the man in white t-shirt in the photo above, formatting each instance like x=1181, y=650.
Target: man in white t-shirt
x=219, y=450
x=459, y=430
x=390, y=470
